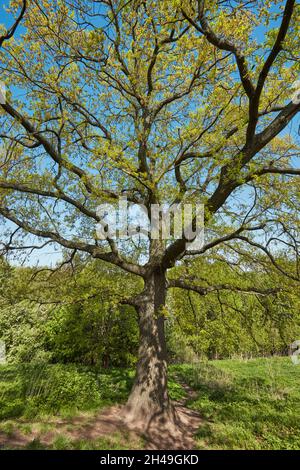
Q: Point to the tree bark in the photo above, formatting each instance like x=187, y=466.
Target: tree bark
x=149, y=401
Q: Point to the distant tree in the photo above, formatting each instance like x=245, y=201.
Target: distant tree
x=162, y=102
x=226, y=320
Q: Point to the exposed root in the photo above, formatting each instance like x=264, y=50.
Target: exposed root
x=174, y=428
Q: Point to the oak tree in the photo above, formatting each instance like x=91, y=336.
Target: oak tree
x=162, y=102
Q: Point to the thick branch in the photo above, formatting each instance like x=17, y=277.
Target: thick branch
x=93, y=250
x=204, y=290
x=224, y=45
x=277, y=47
x=52, y=151
x=9, y=34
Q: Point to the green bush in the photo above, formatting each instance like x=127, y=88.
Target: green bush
x=29, y=390
x=59, y=387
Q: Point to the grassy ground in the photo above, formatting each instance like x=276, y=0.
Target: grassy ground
x=251, y=404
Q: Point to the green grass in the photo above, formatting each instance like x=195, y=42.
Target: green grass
x=252, y=404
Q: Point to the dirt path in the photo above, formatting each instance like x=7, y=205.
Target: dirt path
x=107, y=424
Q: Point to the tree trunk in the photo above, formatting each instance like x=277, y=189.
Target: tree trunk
x=149, y=402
